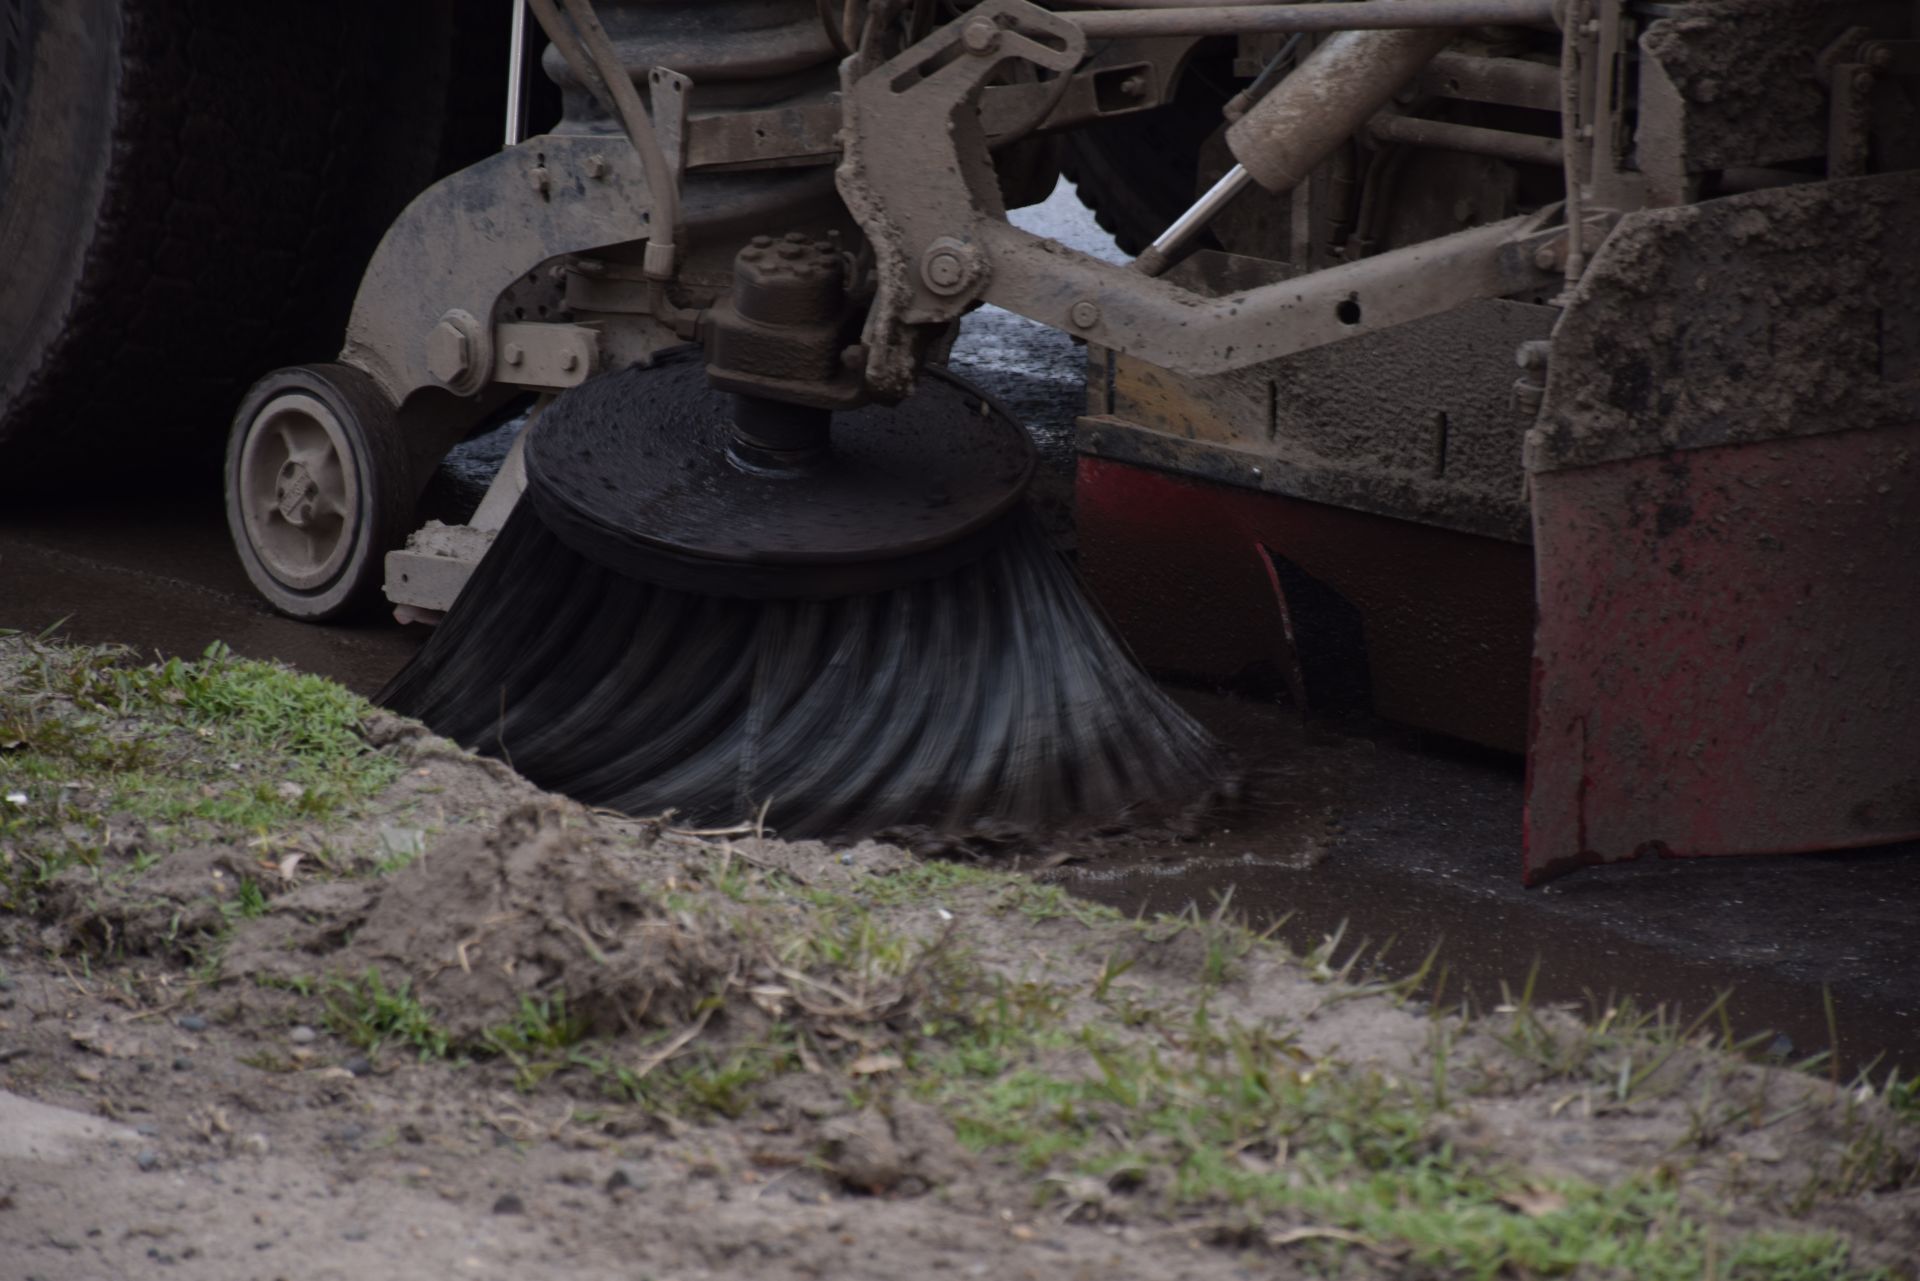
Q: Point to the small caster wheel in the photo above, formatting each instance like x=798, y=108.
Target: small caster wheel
x=318, y=489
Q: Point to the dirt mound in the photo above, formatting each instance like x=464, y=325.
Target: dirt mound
x=543, y=906
x=447, y=1023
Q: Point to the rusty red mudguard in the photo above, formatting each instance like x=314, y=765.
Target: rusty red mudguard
x=1726, y=508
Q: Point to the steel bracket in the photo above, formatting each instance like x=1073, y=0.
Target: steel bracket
x=462, y=243
x=670, y=95
x=550, y=357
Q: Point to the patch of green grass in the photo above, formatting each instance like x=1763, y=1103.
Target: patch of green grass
x=539, y=1040
x=248, y=901
x=216, y=747
x=723, y=1083
x=1903, y=1095
x=1237, y=1120
x=371, y=1015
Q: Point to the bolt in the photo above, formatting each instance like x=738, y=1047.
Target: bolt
x=514, y=355
x=790, y=251
x=449, y=353
x=540, y=178
x=762, y=242
x=982, y=35
x=596, y=166
x=1881, y=59
x=1134, y=86
x=570, y=361
x=1084, y=314
x=1532, y=354
x=950, y=266
x=945, y=270
x=1547, y=257
x=1863, y=81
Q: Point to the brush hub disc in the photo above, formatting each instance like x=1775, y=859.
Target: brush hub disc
x=636, y=471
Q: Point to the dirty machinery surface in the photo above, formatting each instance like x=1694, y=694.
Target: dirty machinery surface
x=1544, y=373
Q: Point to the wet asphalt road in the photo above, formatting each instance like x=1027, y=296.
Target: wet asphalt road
x=1400, y=836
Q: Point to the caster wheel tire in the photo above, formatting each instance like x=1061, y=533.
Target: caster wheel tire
x=318, y=489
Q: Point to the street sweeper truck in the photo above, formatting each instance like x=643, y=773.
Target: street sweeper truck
x=1547, y=371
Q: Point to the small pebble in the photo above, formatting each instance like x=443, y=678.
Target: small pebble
x=255, y=1145
x=302, y=1035
x=146, y=1131
x=358, y=1065
x=1781, y=1047
x=183, y=1064
x=192, y=1023
x=623, y=1178
x=348, y=1133
x=147, y=1159
x=509, y=1204
x=354, y=1234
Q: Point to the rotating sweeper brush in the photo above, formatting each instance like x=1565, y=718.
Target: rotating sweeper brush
x=719, y=603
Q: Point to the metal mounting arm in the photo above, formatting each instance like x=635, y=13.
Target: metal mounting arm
x=942, y=243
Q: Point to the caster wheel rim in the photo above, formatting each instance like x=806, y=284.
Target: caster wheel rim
x=299, y=492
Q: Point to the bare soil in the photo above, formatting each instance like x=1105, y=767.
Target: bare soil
x=468, y=1029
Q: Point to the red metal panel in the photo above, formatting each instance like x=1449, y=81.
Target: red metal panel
x=1183, y=568
x=1728, y=655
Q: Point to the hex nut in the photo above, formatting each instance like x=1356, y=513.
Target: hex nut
x=981, y=35
x=950, y=266
x=1084, y=314
x=449, y=353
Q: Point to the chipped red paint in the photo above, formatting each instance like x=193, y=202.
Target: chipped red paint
x=1728, y=654
x=1185, y=568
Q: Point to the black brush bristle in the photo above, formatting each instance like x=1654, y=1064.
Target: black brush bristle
x=995, y=692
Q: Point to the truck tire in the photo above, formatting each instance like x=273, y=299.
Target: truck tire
x=188, y=190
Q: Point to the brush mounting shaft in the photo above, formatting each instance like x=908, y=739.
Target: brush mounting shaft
x=774, y=434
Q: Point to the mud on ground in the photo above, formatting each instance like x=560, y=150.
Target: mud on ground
x=294, y=989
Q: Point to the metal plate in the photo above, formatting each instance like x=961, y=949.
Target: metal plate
x=633, y=471
x=1726, y=657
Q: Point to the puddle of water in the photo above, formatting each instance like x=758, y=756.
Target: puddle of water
x=1412, y=844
